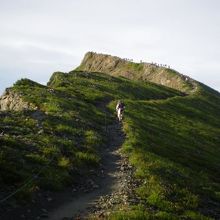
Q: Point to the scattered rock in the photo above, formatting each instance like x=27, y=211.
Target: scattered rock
x=124, y=194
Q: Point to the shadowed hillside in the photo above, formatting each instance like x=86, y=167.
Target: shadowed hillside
x=171, y=139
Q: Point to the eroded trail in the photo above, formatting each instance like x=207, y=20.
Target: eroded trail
x=103, y=190
x=110, y=181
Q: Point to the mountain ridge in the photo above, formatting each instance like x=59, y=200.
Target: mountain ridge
x=115, y=66
x=171, y=139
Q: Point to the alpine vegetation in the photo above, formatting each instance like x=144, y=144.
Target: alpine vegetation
x=57, y=138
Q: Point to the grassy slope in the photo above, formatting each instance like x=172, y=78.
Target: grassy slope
x=173, y=143
x=175, y=146
x=66, y=133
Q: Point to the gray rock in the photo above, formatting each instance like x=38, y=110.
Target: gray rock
x=11, y=100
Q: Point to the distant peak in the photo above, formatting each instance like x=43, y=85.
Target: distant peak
x=116, y=66
x=98, y=56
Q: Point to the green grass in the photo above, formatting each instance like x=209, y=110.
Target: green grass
x=65, y=133
x=137, y=67
x=174, y=145
x=171, y=139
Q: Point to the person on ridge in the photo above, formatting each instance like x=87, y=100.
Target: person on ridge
x=120, y=107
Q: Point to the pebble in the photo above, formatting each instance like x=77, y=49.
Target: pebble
x=44, y=210
x=124, y=193
x=49, y=199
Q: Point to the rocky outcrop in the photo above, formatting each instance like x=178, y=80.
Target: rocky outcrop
x=155, y=73
x=11, y=100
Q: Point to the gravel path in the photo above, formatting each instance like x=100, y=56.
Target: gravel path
x=81, y=205
x=115, y=190
x=104, y=190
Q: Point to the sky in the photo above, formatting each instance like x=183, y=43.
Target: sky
x=39, y=37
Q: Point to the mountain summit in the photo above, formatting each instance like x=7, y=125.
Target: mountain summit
x=115, y=66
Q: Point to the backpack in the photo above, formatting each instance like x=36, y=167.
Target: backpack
x=121, y=106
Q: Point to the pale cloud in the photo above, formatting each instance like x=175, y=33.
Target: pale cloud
x=39, y=37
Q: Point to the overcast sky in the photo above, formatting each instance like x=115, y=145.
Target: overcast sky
x=39, y=37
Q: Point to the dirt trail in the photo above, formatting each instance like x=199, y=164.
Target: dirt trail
x=82, y=203
x=109, y=186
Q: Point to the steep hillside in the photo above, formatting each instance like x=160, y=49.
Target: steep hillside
x=171, y=138
x=116, y=66
x=51, y=145
x=175, y=146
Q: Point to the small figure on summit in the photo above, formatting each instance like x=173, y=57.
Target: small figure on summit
x=120, y=107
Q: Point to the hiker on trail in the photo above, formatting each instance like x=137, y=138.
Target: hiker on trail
x=120, y=107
